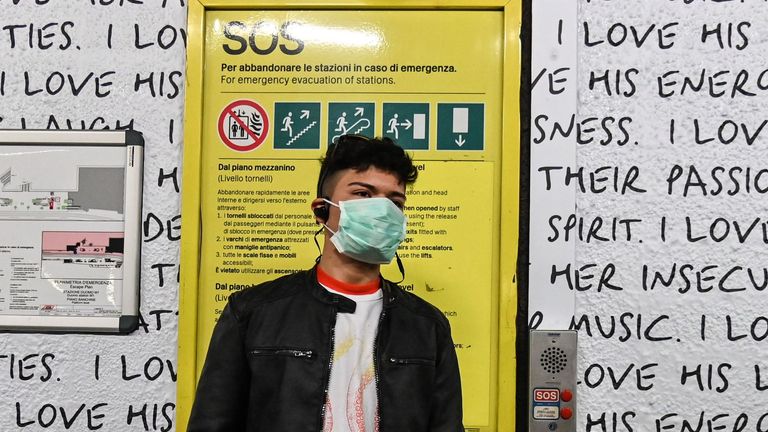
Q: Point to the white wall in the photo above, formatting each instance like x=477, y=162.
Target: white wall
x=553, y=101
x=80, y=47
x=639, y=380
x=115, y=393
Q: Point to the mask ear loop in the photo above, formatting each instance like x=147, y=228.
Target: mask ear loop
x=319, y=251
x=400, y=267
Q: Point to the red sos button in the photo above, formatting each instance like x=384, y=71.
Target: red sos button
x=546, y=395
x=566, y=395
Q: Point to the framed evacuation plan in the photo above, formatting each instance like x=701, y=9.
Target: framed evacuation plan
x=70, y=230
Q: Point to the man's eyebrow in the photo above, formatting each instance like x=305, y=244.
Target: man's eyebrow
x=398, y=195
x=372, y=188
x=363, y=184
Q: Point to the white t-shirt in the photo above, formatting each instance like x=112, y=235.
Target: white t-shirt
x=352, y=403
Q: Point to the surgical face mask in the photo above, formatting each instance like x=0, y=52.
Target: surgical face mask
x=370, y=229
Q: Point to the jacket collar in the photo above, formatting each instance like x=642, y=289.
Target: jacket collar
x=390, y=292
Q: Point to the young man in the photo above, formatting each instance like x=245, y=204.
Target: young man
x=337, y=347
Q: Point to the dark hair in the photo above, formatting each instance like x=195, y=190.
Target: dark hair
x=359, y=153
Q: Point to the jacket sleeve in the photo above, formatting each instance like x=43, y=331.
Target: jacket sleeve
x=221, y=398
x=446, y=415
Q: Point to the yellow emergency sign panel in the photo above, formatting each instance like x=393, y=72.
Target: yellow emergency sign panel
x=271, y=85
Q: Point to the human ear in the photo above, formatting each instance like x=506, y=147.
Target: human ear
x=321, y=210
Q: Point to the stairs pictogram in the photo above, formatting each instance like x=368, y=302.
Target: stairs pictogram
x=302, y=132
x=365, y=123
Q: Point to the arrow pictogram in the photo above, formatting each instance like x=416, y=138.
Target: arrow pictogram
x=460, y=141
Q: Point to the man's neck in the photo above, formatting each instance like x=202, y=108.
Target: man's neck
x=346, y=269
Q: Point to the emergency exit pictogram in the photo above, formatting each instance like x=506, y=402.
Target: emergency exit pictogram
x=407, y=124
x=355, y=118
x=297, y=125
x=460, y=126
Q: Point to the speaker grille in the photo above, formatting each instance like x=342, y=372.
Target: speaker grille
x=553, y=360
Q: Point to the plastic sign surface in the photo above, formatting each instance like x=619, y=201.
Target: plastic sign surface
x=279, y=85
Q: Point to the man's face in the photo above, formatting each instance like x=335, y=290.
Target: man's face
x=351, y=185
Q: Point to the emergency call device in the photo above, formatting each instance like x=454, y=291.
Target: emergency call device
x=552, y=381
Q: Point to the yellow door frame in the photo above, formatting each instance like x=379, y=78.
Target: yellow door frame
x=504, y=411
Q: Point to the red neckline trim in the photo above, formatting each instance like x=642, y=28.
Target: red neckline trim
x=345, y=287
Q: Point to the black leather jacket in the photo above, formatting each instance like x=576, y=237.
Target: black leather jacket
x=268, y=363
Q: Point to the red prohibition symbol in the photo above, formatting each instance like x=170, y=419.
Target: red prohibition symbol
x=243, y=125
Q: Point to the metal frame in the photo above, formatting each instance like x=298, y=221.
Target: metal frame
x=134, y=173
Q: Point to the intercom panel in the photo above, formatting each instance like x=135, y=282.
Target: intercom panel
x=552, y=386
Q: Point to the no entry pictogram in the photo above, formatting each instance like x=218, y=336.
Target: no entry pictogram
x=243, y=125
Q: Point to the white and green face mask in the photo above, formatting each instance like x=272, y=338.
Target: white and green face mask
x=370, y=229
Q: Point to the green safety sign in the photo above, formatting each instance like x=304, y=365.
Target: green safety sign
x=460, y=126
x=350, y=118
x=407, y=124
x=297, y=125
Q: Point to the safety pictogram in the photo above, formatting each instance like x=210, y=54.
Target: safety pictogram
x=460, y=126
x=407, y=124
x=297, y=125
x=243, y=125
x=350, y=118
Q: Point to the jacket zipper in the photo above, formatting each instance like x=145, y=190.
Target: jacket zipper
x=307, y=354
x=376, y=363
x=328, y=372
x=411, y=361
